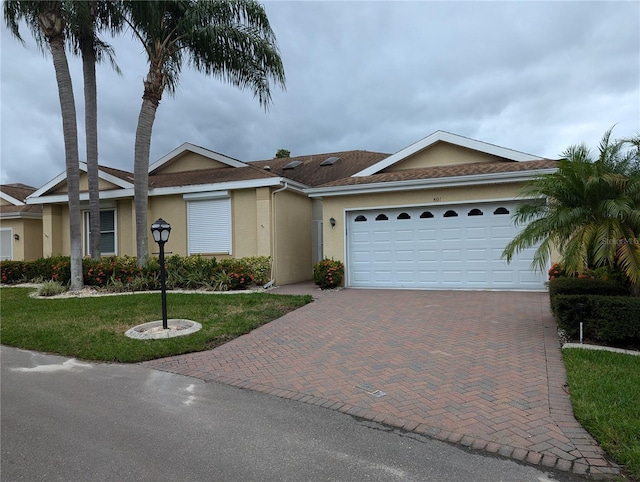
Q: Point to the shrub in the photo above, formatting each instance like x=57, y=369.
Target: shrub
x=608, y=319
x=585, y=286
x=51, y=288
x=328, y=273
x=260, y=267
x=13, y=272
x=238, y=273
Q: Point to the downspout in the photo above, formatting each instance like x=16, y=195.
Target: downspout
x=273, y=233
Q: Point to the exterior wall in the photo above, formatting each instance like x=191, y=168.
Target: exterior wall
x=335, y=206
x=292, y=260
x=443, y=154
x=29, y=245
x=172, y=209
x=190, y=161
x=52, y=228
x=244, y=224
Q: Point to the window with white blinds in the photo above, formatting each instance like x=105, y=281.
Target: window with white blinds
x=209, y=226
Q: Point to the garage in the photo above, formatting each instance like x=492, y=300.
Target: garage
x=437, y=247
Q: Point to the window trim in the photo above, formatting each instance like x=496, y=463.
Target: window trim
x=86, y=230
x=191, y=250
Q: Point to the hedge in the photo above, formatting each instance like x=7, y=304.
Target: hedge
x=123, y=274
x=607, y=319
x=585, y=286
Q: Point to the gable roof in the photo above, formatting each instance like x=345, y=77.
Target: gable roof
x=187, y=147
x=439, y=176
x=311, y=171
x=442, y=136
x=16, y=194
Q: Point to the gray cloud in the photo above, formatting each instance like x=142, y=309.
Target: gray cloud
x=532, y=76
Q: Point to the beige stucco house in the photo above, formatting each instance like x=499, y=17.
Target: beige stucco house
x=436, y=214
x=20, y=224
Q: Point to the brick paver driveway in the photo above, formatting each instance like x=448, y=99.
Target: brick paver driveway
x=482, y=369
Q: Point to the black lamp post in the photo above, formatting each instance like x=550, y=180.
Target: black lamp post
x=160, y=231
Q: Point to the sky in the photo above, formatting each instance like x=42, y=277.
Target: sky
x=532, y=76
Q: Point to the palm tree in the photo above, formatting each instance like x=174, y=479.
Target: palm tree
x=228, y=39
x=589, y=209
x=86, y=19
x=46, y=20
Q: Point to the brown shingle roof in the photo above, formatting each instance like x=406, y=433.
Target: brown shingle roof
x=446, y=171
x=207, y=176
x=311, y=173
x=17, y=191
x=27, y=208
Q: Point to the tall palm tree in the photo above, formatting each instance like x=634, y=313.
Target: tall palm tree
x=589, y=209
x=228, y=39
x=46, y=20
x=87, y=18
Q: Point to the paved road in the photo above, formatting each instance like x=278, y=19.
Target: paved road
x=64, y=419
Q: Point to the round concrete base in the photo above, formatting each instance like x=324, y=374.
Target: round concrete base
x=154, y=331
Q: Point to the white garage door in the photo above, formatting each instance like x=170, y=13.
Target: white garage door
x=437, y=247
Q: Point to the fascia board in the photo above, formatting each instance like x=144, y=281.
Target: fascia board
x=442, y=182
x=47, y=187
x=11, y=199
x=84, y=196
x=20, y=216
x=114, y=180
x=198, y=150
x=451, y=139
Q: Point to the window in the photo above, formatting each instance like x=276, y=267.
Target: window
x=450, y=214
x=209, y=226
x=108, y=238
x=501, y=211
x=382, y=217
x=6, y=244
x=475, y=212
x=404, y=216
x=426, y=215
x=360, y=218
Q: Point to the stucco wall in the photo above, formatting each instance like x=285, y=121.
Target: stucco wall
x=442, y=154
x=292, y=261
x=188, y=162
x=29, y=245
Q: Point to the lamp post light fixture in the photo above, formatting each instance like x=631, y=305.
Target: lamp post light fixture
x=160, y=231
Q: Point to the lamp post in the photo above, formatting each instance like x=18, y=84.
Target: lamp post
x=160, y=231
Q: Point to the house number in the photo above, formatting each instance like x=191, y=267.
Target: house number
x=437, y=199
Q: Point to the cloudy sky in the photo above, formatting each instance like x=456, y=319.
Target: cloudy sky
x=527, y=75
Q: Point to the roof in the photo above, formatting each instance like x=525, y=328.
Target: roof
x=311, y=173
x=16, y=195
x=446, y=171
x=17, y=191
x=206, y=176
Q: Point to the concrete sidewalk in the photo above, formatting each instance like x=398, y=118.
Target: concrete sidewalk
x=476, y=368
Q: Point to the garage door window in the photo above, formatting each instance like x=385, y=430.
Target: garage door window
x=404, y=216
x=360, y=219
x=450, y=214
x=501, y=211
x=426, y=215
x=382, y=217
x=475, y=212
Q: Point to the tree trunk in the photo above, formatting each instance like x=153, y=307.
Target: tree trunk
x=70, y=134
x=141, y=177
x=91, y=127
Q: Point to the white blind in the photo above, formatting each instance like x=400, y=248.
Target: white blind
x=209, y=226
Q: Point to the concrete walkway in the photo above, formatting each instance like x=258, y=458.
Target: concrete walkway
x=476, y=368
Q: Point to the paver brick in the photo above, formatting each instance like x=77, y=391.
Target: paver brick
x=474, y=367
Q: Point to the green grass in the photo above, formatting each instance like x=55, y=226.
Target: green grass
x=605, y=392
x=93, y=328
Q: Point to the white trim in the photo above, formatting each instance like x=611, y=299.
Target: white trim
x=11, y=199
x=451, y=139
x=438, y=182
x=200, y=196
x=84, y=196
x=222, y=186
x=39, y=194
x=20, y=215
x=229, y=161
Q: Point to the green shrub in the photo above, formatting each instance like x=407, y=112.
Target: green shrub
x=260, y=268
x=13, y=272
x=51, y=288
x=585, y=286
x=328, y=273
x=608, y=319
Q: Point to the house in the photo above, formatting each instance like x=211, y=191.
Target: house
x=20, y=224
x=436, y=214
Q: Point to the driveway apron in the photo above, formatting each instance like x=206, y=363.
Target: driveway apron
x=477, y=368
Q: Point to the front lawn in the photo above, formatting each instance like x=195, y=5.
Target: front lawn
x=605, y=393
x=93, y=328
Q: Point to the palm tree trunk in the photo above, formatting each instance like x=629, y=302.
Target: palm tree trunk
x=91, y=127
x=141, y=176
x=70, y=134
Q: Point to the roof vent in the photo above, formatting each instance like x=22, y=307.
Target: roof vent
x=330, y=161
x=292, y=165
x=267, y=168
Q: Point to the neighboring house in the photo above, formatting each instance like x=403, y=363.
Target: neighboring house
x=436, y=214
x=20, y=224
